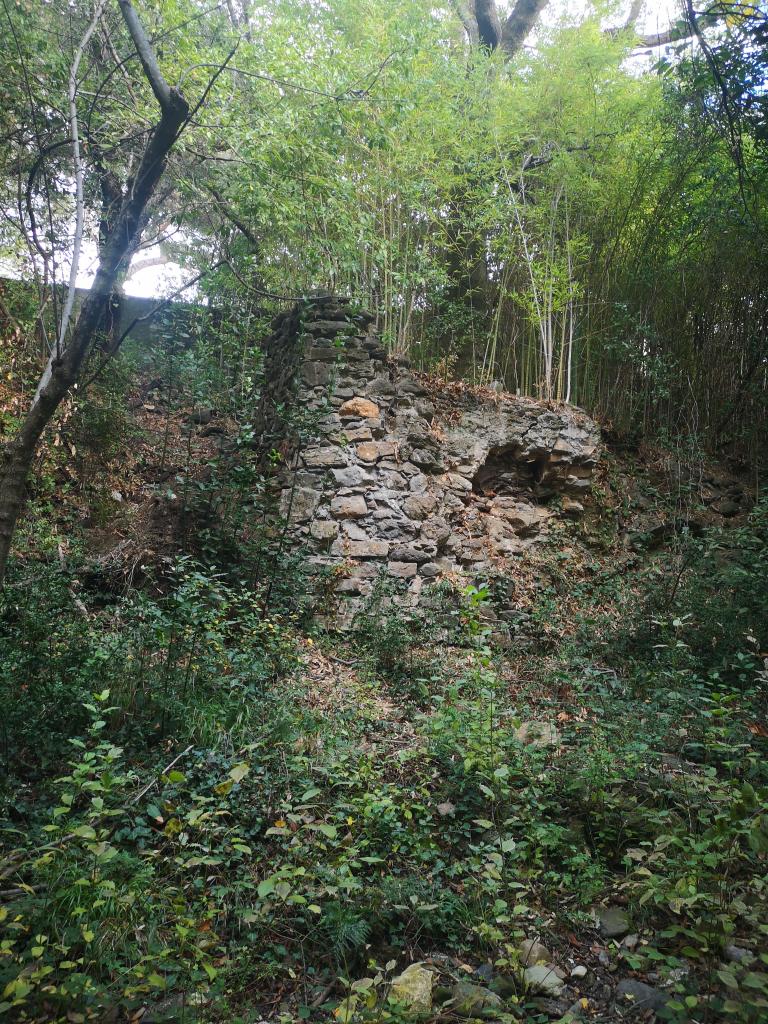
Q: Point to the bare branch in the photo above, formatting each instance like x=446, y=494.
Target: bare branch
x=160, y=87
x=685, y=28
x=79, y=181
x=147, y=263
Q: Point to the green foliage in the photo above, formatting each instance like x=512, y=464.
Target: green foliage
x=212, y=828
x=171, y=665
x=190, y=808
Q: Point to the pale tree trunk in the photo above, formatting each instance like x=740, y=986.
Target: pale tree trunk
x=64, y=367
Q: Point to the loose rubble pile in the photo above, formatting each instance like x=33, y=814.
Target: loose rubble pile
x=535, y=979
x=397, y=475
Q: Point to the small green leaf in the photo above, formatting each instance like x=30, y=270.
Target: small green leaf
x=327, y=830
x=238, y=773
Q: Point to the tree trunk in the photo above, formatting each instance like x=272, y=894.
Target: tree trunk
x=63, y=372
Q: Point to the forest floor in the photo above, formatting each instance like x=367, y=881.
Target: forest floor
x=554, y=813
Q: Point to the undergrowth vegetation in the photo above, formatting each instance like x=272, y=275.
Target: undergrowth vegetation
x=180, y=818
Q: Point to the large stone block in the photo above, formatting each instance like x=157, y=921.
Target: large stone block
x=402, y=569
x=428, y=459
x=419, y=506
x=329, y=328
x=435, y=529
x=324, y=529
x=316, y=374
x=324, y=458
x=372, y=451
x=358, y=433
x=351, y=476
x=323, y=355
x=352, y=506
x=360, y=548
x=413, y=553
x=359, y=408
x=299, y=504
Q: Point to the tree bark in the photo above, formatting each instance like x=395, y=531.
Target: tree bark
x=63, y=370
x=482, y=23
x=519, y=24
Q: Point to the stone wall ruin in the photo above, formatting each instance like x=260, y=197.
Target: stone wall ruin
x=393, y=472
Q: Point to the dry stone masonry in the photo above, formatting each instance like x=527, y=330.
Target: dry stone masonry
x=391, y=472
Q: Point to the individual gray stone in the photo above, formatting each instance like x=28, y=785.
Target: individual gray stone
x=497, y=529
x=352, y=506
x=542, y=978
x=299, y=504
x=316, y=374
x=372, y=451
x=387, y=497
x=404, y=570
x=640, y=995
x=351, y=476
x=426, y=458
x=470, y=1000
x=413, y=553
x=735, y=954
x=393, y=529
x=319, y=354
x=419, y=484
x=324, y=458
x=612, y=921
x=429, y=569
x=353, y=585
x=324, y=529
x=411, y=387
x=484, y=972
x=436, y=529
x=394, y=481
x=505, y=985
x=361, y=433
x=361, y=549
x=524, y=519
x=456, y=482
x=381, y=387
x=350, y=529
x=329, y=328
x=419, y=506
x=356, y=355
x=532, y=952
x=578, y=483
x=414, y=988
